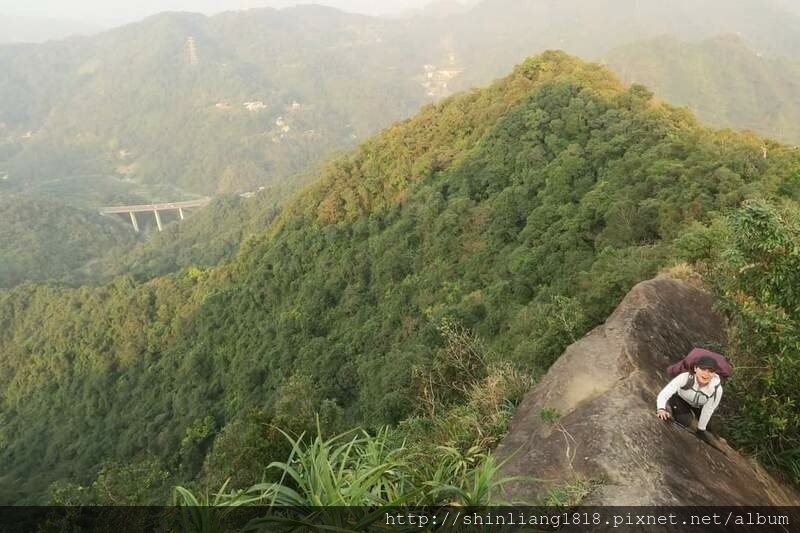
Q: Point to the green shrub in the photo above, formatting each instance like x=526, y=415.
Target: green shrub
x=757, y=280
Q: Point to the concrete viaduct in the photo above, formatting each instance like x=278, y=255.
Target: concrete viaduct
x=155, y=209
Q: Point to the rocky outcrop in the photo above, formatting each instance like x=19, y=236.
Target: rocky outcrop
x=604, y=388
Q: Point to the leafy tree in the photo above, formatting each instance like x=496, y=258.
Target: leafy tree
x=757, y=280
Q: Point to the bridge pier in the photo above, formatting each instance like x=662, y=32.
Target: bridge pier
x=131, y=210
x=133, y=221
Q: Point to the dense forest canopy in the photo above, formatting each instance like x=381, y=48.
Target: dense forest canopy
x=521, y=212
x=34, y=232
x=42, y=240
x=207, y=238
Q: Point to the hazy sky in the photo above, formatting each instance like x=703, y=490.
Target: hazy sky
x=112, y=12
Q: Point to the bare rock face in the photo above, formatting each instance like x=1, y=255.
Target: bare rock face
x=604, y=388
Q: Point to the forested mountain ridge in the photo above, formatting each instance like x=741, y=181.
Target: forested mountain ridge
x=701, y=75
x=244, y=99
x=521, y=212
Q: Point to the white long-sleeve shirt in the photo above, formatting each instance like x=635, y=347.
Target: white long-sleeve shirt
x=697, y=396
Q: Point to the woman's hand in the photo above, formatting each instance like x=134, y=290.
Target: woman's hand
x=663, y=414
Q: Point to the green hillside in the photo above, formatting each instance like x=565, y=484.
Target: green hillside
x=43, y=240
x=721, y=80
x=245, y=99
x=47, y=240
x=207, y=238
x=521, y=213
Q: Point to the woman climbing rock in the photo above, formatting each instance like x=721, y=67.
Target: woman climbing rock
x=692, y=396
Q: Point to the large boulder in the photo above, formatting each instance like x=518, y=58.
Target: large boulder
x=604, y=388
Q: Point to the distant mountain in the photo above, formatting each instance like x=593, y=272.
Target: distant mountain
x=215, y=104
x=15, y=29
x=499, y=33
x=723, y=81
x=441, y=8
x=247, y=99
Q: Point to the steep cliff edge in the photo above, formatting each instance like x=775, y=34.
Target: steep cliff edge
x=604, y=388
